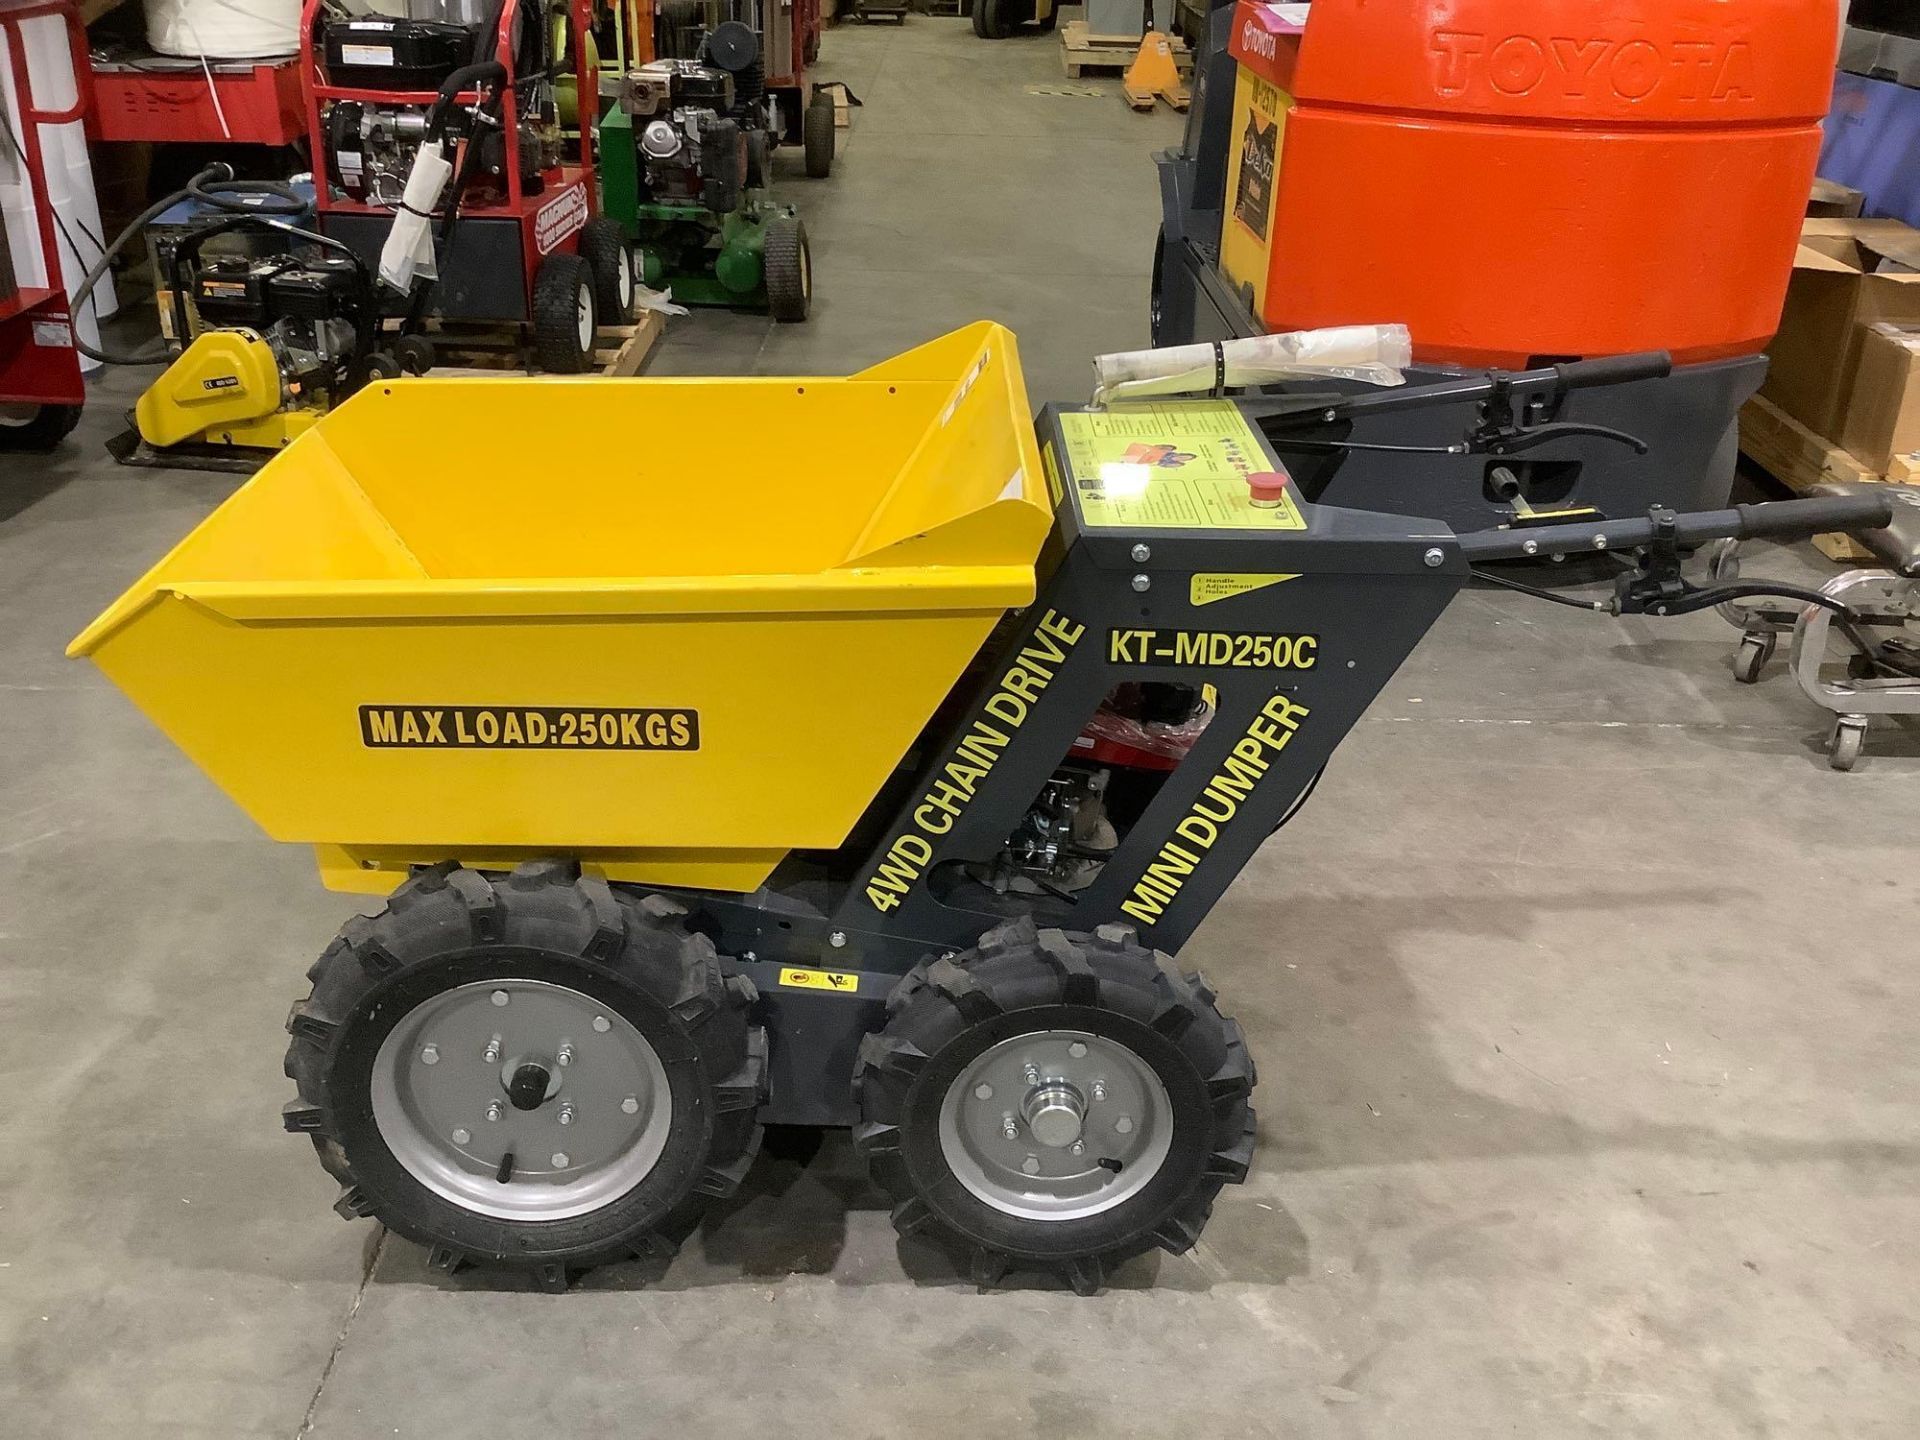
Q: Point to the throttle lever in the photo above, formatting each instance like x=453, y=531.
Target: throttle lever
x=1511, y=442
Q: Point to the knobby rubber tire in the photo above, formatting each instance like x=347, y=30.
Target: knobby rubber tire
x=603, y=245
x=786, y=262
x=817, y=137
x=948, y=1011
x=556, y=319
x=43, y=431
x=448, y=926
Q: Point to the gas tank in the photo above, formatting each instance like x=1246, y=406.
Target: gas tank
x=1517, y=179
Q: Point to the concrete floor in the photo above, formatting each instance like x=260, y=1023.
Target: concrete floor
x=1584, y=998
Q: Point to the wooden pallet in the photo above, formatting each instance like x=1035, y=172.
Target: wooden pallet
x=619, y=350
x=1799, y=459
x=1081, y=50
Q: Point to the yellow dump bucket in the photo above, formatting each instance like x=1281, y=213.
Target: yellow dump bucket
x=674, y=628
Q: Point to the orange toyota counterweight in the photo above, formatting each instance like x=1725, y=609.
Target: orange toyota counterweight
x=1524, y=178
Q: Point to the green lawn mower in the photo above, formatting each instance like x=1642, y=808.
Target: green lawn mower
x=685, y=162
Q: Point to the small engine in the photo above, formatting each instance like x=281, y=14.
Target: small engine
x=693, y=147
x=303, y=307
x=371, y=149
x=371, y=145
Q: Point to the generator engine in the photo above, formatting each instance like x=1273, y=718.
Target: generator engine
x=693, y=148
x=371, y=143
x=305, y=308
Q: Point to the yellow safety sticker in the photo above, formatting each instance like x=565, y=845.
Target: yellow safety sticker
x=838, y=980
x=1170, y=466
x=1205, y=589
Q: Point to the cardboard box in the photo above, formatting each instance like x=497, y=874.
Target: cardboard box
x=1883, y=416
x=1847, y=274
x=1833, y=201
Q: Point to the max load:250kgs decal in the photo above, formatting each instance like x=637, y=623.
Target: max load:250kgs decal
x=527, y=727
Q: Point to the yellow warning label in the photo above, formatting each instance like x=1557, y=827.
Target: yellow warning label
x=1170, y=466
x=838, y=980
x=1205, y=589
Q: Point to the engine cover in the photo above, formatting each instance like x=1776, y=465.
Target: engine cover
x=394, y=55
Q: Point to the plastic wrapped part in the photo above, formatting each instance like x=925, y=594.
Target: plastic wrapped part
x=408, y=252
x=1372, y=354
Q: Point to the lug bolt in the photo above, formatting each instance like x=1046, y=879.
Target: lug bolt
x=601, y=1024
x=1031, y=1164
x=983, y=1092
x=1079, y=1147
x=565, y=1057
x=492, y=1053
x=1124, y=1125
x=1010, y=1126
x=493, y=1110
x=566, y=1113
x=1077, y=1050
x=559, y=1159
x=630, y=1105
x=1033, y=1073
x=499, y=997
x=1099, y=1089
x=461, y=1137
x=430, y=1055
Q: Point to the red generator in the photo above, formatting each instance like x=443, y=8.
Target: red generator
x=515, y=233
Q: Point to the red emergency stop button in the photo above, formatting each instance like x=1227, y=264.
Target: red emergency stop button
x=1268, y=488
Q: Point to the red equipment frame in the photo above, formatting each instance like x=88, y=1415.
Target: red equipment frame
x=569, y=196
x=806, y=38
x=33, y=373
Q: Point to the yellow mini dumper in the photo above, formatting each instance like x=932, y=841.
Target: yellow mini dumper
x=854, y=752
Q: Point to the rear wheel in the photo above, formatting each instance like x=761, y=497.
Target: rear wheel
x=1054, y=1101
x=817, y=136
x=991, y=19
x=603, y=245
x=787, y=262
x=413, y=354
x=565, y=315
x=534, y=1072
x=36, y=427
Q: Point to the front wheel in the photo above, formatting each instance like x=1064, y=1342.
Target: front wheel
x=531, y=1071
x=565, y=315
x=787, y=263
x=1054, y=1101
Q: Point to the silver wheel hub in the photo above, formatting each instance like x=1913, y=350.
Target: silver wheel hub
x=1056, y=1125
x=521, y=1100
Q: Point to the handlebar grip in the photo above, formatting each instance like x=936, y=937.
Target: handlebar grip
x=1794, y=519
x=1615, y=369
